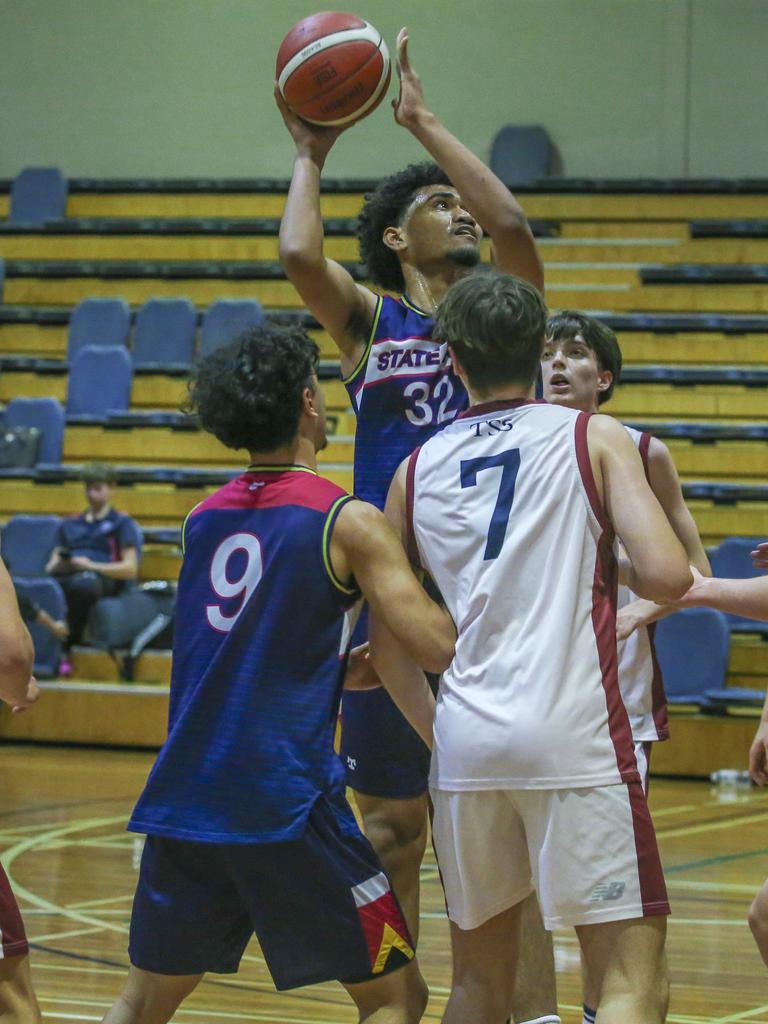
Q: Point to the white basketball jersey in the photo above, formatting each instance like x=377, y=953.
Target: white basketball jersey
x=506, y=518
x=640, y=681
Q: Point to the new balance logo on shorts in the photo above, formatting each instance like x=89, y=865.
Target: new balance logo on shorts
x=605, y=892
x=351, y=763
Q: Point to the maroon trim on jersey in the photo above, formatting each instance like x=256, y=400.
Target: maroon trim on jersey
x=484, y=408
x=658, y=693
x=604, y=591
x=411, y=546
x=642, y=446
x=12, y=935
x=262, y=488
x=653, y=890
x=585, y=468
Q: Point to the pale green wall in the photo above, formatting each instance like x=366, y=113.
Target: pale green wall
x=182, y=88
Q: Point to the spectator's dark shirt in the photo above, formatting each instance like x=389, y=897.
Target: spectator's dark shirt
x=28, y=609
x=101, y=540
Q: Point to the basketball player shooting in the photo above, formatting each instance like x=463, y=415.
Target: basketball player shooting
x=419, y=232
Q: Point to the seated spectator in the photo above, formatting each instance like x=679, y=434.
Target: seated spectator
x=97, y=552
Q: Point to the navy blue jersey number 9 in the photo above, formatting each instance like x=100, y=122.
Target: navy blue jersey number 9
x=510, y=464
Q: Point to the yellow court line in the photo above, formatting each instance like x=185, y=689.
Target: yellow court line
x=736, y=888
x=29, y=844
x=745, y=1015
x=65, y=935
x=675, y=810
x=92, y=968
x=81, y=904
x=712, y=826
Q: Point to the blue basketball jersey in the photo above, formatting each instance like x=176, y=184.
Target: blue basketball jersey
x=259, y=653
x=403, y=391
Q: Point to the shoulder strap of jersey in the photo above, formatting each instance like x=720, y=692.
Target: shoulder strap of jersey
x=362, y=361
x=330, y=520
x=411, y=547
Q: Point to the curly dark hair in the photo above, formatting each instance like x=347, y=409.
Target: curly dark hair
x=248, y=393
x=566, y=324
x=384, y=207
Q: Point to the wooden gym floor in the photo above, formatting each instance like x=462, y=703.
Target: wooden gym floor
x=73, y=867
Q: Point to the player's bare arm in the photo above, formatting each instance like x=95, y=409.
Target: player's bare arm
x=365, y=546
x=660, y=570
x=486, y=197
x=17, y=686
x=326, y=288
x=665, y=484
x=758, y=752
x=406, y=683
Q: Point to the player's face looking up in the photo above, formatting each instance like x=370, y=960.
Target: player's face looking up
x=571, y=374
x=436, y=226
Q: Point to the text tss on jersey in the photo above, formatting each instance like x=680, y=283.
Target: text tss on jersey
x=487, y=428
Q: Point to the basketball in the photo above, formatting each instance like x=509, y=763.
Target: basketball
x=333, y=68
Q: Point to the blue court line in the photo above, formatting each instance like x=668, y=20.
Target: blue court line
x=710, y=861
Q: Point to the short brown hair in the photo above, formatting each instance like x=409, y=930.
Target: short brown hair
x=99, y=473
x=597, y=336
x=495, y=325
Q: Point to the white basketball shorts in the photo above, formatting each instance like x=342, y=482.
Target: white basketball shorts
x=591, y=854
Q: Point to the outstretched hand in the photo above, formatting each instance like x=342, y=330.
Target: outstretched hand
x=311, y=140
x=409, y=106
x=760, y=556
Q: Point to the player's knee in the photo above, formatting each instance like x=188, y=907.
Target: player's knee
x=758, y=915
x=397, y=829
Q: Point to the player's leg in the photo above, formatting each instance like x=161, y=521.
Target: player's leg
x=18, y=1004
x=149, y=998
x=397, y=830
x=187, y=919
x=482, y=851
x=333, y=915
x=387, y=768
x=643, y=751
x=484, y=960
x=598, y=864
x=626, y=961
x=535, y=997
x=397, y=998
x=758, y=921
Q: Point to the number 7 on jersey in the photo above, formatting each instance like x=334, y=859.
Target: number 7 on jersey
x=510, y=465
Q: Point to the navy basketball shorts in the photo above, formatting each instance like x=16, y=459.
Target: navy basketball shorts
x=321, y=906
x=13, y=939
x=382, y=754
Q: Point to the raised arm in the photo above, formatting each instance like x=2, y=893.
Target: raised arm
x=327, y=289
x=486, y=197
x=660, y=569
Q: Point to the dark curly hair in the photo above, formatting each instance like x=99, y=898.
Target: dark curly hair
x=566, y=324
x=248, y=393
x=384, y=208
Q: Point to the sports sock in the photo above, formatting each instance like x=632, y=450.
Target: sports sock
x=589, y=1015
x=550, y=1018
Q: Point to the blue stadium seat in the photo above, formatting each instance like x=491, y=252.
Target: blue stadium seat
x=49, y=595
x=165, y=333
x=522, y=153
x=27, y=542
x=692, y=646
x=731, y=560
x=47, y=415
x=98, y=322
x=225, y=319
x=38, y=194
x=99, y=382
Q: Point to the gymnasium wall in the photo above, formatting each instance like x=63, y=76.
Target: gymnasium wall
x=180, y=88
